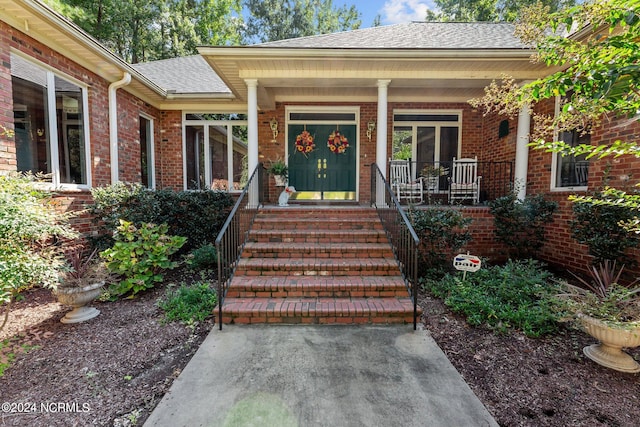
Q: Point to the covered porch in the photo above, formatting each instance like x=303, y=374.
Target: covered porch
x=389, y=101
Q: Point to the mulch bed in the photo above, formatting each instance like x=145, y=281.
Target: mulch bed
x=114, y=369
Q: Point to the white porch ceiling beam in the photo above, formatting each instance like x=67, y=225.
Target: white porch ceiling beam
x=309, y=76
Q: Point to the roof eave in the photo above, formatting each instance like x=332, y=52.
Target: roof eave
x=79, y=36
x=372, y=53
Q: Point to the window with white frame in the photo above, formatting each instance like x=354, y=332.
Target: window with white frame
x=215, y=152
x=147, y=169
x=428, y=138
x=570, y=171
x=51, y=126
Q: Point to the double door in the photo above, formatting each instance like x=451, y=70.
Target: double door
x=323, y=173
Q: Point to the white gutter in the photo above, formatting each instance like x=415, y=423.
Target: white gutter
x=113, y=124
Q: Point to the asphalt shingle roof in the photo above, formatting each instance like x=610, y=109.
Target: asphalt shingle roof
x=192, y=74
x=414, y=35
x=186, y=75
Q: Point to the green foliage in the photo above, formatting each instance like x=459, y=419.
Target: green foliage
x=271, y=20
x=442, y=233
x=9, y=348
x=141, y=31
x=486, y=10
x=278, y=167
x=140, y=254
x=196, y=214
x=189, y=303
x=520, y=225
x=205, y=257
x=600, y=227
x=29, y=226
x=602, y=296
x=518, y=295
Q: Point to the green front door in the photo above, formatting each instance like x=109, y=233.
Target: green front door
x=323, y=174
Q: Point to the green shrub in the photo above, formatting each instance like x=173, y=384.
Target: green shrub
x=189, y=303
x=442, y=233
x=197, y=214
x=517, y=295
x=599, y=227
x=140, y=254
x=520, y=225
x=29, y=228
x=205, y=257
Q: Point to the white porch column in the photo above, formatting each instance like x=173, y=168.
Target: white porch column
x=522, y=152
x=252, y=135
x=381, y=136
x=381, y=141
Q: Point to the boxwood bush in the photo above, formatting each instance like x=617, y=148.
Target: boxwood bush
x=197, y=215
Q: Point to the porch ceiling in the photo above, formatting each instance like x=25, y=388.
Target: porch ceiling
x=324, y=75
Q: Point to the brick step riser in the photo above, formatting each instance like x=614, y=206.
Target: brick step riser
x=318, y=219
x=298, y=271
x=244, y=287
x=315, y=312
x=342, y=319
x=292, y=226
x=238, y=293
x=315, y=254
x=329, y=215
x=319, y=239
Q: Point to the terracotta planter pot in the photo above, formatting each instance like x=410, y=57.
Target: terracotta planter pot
x=609, y=351
x=78, y=298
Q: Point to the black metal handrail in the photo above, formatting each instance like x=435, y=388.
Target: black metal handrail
x=233, y=235
x=400, y=232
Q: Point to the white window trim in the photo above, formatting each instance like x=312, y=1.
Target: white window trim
x=53, y=125
x=152, y=147
x=229, y=124
x=553, y=187
x=415, y=124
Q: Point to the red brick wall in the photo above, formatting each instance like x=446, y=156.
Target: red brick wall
x=129, y=109
x=482, y=230
x=7, y=148
x=561, y=250
x=169, y=151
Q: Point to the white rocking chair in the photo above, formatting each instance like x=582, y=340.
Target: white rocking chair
x=464, y=182
x=402, y=184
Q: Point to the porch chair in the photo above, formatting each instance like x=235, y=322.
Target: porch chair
x=402, y=184
x=464, y=182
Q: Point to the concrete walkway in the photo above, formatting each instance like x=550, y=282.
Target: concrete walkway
x=330, y=376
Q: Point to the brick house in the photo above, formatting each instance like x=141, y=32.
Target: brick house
x=87, y=118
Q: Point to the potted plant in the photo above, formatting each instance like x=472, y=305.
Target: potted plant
x=609, y=312
x=81, y=283
x=432, y=173
x=280, y=172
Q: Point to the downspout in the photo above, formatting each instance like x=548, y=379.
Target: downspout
x=522, y=153
x=113, y=124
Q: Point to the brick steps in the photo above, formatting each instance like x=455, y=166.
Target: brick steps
x=320, y=310
x=319, y=236
x=313, y=223
x=318, y=286
x=314, y=250
x=317, y=265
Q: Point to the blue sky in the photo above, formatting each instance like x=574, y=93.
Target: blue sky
x=390, y=11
